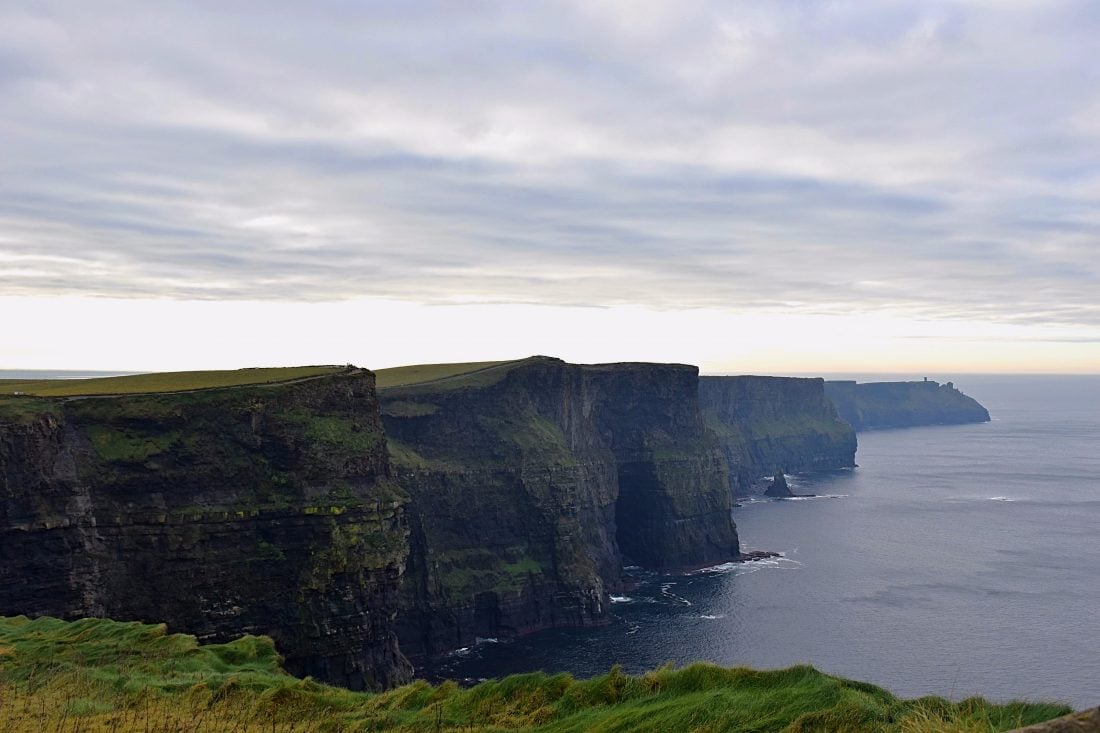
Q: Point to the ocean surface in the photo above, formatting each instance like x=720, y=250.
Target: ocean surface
x=957, y=560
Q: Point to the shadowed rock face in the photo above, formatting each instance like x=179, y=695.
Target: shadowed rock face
x=779, y=488
x=265, y=510
x=531, y=483
x=903, y=404
x=767, y=425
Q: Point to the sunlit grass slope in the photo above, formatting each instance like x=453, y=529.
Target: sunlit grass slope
x=160, y=381
x=404, y=376
x=96, y=676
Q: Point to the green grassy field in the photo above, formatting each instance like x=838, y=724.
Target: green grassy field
x=404, y=376
x=160, y=381
x=98, y=676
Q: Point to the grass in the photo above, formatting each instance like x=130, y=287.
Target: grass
x=161, y=381
x=405, y=376
x=99, y=676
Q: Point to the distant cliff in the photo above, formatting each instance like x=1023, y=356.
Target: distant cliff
x=903, y=404
x=770, y=424
x=532, y=481
x=260, y=509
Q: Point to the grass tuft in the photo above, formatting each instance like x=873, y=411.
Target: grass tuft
x=100, y=676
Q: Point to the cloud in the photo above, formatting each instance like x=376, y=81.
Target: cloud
x=932, y=159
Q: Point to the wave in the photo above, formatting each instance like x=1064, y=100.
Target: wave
x=783, y=562
x=712, y=617
x=815, y=496
x=678, y=600
x=621, y=599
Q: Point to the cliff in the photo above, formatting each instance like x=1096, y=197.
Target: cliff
x=531, y=483
x=775, y=424
x=262, y=509
x=903, y=404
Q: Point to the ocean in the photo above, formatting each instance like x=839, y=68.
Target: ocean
x=955, y=560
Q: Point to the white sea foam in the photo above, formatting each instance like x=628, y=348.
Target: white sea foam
x=712, y=617
x=816, y=496
x=716, y=569
x=621, y=599
x=667, y=593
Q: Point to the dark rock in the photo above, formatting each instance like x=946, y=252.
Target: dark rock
x=755, y=555
x=530, y=484
x=770, y=424
x=779, y=487
x=266, y=510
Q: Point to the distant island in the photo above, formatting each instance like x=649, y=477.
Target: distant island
x=874, y=405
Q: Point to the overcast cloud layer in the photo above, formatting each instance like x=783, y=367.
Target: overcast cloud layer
x=932, y=159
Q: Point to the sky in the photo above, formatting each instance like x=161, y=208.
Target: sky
x=781, y=187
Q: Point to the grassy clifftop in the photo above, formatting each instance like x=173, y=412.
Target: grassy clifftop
x=160, y=381
x=403, y=376
x=97, y=676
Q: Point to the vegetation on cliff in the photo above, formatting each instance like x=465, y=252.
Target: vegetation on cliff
x=221, y=511
x=100, y=676
x=403, y=376
x=531, y=480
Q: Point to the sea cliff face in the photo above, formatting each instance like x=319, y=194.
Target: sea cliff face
x=531, y=483
x=770, y=424
x=903, y=404
x=266, y=510
x=352, y=527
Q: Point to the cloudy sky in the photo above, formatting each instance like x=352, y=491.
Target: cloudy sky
x=782, y=186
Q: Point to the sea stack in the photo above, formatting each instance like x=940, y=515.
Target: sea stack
x=779, y=488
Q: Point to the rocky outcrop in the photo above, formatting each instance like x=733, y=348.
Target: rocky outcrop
x=265, y=510
x=903, y=404
x=779, y=489
x=531, y=482
x=768, y=425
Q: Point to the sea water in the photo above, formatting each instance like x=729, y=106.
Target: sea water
x=956, y=560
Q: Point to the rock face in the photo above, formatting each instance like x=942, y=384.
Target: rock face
x=767, y=425
x=903, y=404
x=496, y=502
x=531, y=483
x=266, y=510
x=778, y=489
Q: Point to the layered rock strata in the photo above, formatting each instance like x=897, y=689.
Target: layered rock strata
x=266, y=510
x=531, y=483
x=768, y=425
